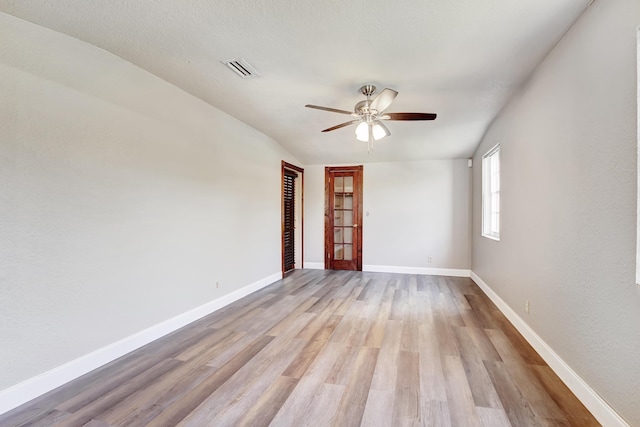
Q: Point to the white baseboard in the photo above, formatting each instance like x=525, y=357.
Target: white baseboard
x=454, y=272
x=314, y=265
x=25, y=391
x=589, y=398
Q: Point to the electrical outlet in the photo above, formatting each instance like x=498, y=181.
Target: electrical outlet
x=430, y=260
x=527, y=306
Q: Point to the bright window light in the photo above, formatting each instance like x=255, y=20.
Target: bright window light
x=491, y=193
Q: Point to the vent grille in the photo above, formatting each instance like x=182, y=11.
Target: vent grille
x=242, y=68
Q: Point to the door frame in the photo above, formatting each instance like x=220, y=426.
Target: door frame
x=328, y=229
x=300, y=171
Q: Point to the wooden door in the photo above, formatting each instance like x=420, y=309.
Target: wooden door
x=343, y=218
x=291, y=235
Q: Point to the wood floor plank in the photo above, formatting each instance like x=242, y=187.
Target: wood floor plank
x=434, y=413
x=301, y=398
x=375, y=335
x=484, y=394
x=457, y=291
x=349, y=325
x=481, y=311
x=483, y=344
x=151, y=408
x=469, y=318
x=322, y=410
x=399, y=304
x=278, y=328
x=572, y=408
x=303, y=360
x=462, y=407
x=347, y=302
x=233, y=400
x=47, y=419
x=261, y=414
x=183, y=407
x=97, y=423
x=493, y=417
x=378, y=410
x=384, y=376
x=235, y=314
x=524, y=349
x=323, y=348
x=515, y=405
x=354, y=398
x=129, y=368
x=448, y=305
x=406, y=406
x=374, y=294
x=228, y=403
x=92, y=410
x=409, y=340
x=264, y=321
x=432, y=380
x=341, y=371
x=216, y=336
x=447, y=341
x=541, y=403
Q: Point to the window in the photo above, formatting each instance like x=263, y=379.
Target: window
x=491, y=193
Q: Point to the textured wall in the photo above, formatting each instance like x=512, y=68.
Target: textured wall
x=123, y=200
x=416, y=210
x=568, y=231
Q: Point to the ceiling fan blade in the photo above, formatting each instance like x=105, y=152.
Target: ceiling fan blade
x=333, y=110
x=341, y=125
x=408, y=116
x=383, y=100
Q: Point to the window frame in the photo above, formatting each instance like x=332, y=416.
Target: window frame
x=490, y=193
x=638, y=160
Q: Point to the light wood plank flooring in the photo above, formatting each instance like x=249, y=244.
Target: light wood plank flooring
x=327, y=348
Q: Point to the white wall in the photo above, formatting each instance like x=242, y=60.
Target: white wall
x=416, y=210
x=123, y=200
x=568, y=174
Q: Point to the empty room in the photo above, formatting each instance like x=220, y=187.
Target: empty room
x=319, y=213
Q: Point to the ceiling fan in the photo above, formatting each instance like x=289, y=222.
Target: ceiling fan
x=369, y=115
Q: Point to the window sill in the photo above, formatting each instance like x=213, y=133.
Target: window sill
x=497, y=239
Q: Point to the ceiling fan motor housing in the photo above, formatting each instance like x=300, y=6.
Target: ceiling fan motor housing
x=362, y=109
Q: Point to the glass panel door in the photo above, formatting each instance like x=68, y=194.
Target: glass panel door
x=343, y=215
x=343, y=218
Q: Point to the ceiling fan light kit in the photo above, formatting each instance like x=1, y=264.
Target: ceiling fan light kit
x=369, y=113
x=364, y=130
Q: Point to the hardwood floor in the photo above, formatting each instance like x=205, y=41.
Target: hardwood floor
x=323, y=348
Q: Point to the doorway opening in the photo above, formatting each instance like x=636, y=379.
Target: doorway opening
x=292, y=217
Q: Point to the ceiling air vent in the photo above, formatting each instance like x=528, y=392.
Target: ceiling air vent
x=242, y=68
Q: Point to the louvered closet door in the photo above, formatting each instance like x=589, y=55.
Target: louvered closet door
x=289, y=232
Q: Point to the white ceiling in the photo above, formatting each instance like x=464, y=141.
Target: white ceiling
x=461, y=59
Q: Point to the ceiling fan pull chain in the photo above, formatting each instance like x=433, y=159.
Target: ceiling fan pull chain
x=370, y=142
